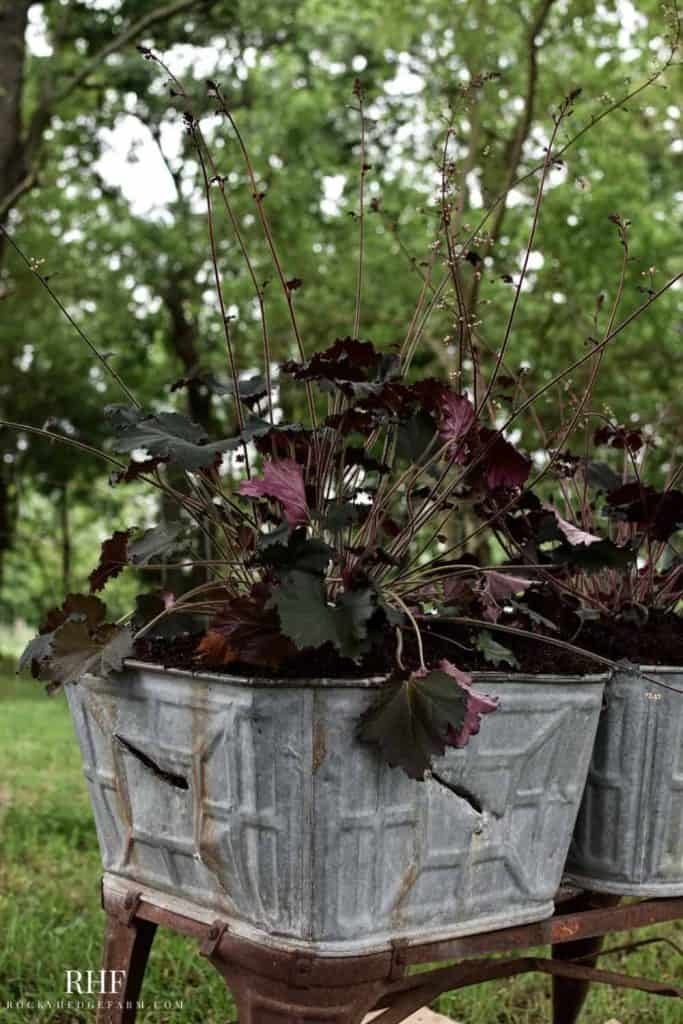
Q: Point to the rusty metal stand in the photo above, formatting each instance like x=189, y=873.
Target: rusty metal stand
x=569, y=994
x=127, y=942
x=274, y=986
x=263, y=1000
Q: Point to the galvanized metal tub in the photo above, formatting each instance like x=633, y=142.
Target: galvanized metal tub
x=628, y=838
x=253, y=798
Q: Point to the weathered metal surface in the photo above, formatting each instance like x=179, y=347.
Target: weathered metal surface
x=392, y=963
x=628, y=838
x=278, y=987
x=254, y=800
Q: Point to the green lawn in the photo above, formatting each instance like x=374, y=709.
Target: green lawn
x=50, y=918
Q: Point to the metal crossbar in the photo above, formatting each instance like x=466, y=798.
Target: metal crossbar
x=272, y=985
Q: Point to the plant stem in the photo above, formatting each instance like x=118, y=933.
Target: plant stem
x=358, y=92
x=33, y=267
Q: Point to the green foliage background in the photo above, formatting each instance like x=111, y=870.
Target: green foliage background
x=141, y=281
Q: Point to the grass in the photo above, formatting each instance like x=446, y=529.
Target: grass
x=50, y=917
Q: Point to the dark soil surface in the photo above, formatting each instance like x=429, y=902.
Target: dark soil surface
x=657, y=642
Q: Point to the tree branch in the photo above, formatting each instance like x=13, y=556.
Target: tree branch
x=51, y=98
x=519, y=136
x=126, y=36
x=9, y=201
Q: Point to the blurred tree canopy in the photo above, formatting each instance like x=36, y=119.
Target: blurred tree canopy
x=125, y=246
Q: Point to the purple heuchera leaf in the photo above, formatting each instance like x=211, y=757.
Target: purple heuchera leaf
x=348, y=359
x=660, y=513
x=505, y=466
x=503, y=585
x=618, y=436
x=478, y=704
x=283, y=481
x=456, y=418
x=499, y=588
x=574, y=535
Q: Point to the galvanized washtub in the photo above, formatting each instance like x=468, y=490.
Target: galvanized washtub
x=253, y=798
x=628, y=838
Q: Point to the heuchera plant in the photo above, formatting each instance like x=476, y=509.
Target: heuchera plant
x=611, y=547
x=326, y=533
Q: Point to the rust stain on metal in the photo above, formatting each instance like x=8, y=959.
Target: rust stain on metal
x=319, y=744
x=122, y=796
x=200, y=718
x=206, y=839
x=407, y=882
x=106, y=718
x=291, y=985
x=210, y=855
x=567, y=929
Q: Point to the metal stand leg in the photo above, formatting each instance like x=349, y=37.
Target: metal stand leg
x=271, y=985
x=126, y=948
x=262, y=1000
x=569, y=994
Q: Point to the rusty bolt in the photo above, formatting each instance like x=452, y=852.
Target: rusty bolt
x=213, y=933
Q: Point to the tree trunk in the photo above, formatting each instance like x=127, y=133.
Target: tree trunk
x=501, y=180
x=20, y=143
x=13, y=22
x=183, y=340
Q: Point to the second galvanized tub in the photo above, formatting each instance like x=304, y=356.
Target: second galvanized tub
x=253, y=798
x=629, y=834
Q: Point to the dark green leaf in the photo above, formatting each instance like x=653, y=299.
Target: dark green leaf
x=339, y=515
x=394, y=616
x=310, y=621
x=416, y=436
x=168, y=435
x=256, y=427
x=534, y=616
x=134, y=470
x=594, y=557
x=154, y=543
x=601, y=476
x=494, y=652
x=412, y=719
x=301, y=553
x=76, y=651
x=74, y=640
x=354, y=610
x=250, y=390
x=305, y=616
x=278, y=536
